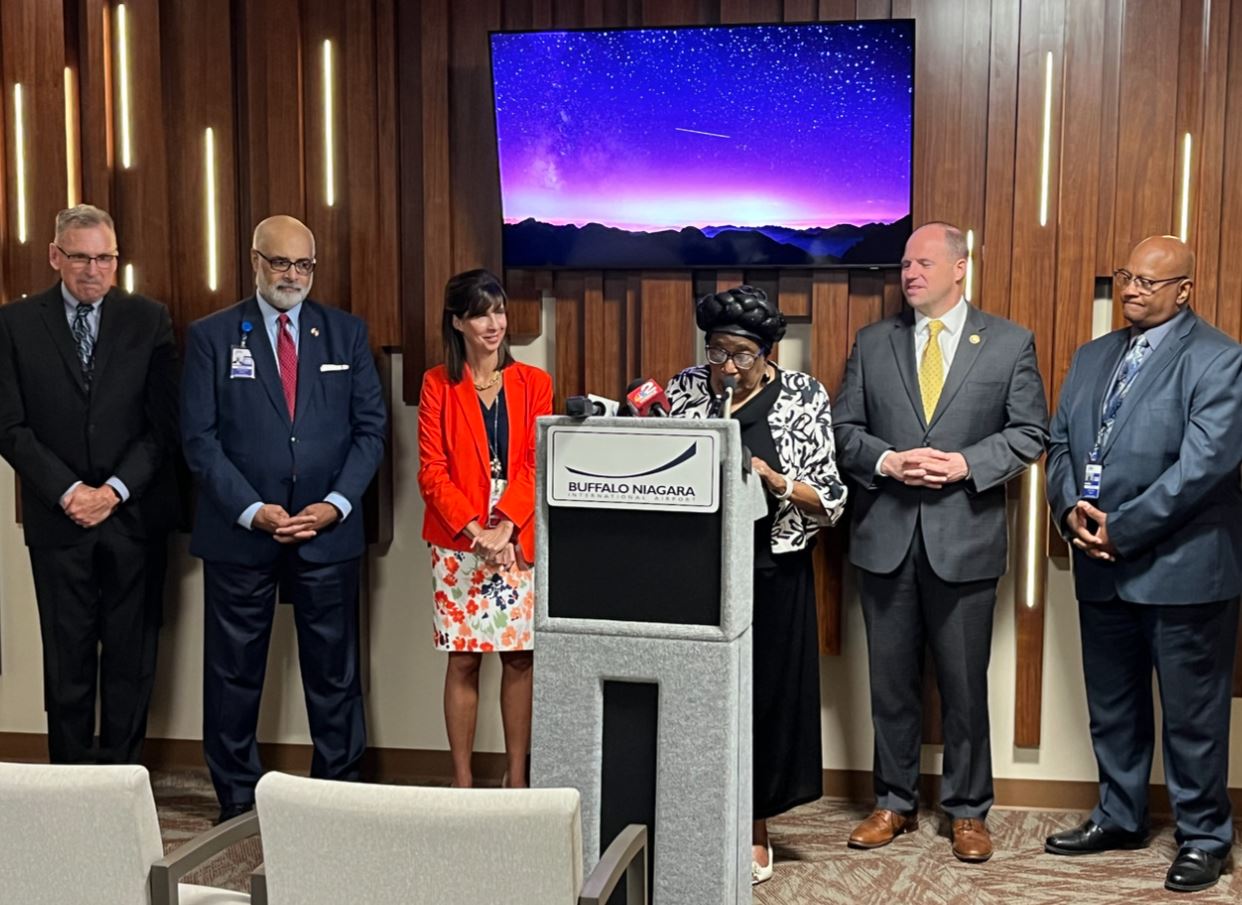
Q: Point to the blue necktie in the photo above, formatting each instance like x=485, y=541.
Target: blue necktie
x=1126, y=375
x=85, y=342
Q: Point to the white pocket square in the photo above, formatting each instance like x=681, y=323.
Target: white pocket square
x=334, y=368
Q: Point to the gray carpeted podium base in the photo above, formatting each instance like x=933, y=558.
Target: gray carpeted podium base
x=703, y=751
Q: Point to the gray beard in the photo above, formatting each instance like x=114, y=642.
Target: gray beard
x=277, y=299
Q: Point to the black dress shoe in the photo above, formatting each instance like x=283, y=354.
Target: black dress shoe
x=229, y=811
x=1090, y=838
x=1193, y=870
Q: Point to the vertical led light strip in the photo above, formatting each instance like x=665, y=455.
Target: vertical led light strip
x=129, y=278
x=19, y=144
x=122, y=52
x=970, y=263
x=1185, y=230
x=71, y=138
x=1034, y=512
x=1046, y=161
x=209, y=166
x=329, y=143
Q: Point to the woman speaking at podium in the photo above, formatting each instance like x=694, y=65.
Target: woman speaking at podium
x=786, y=424
x=476, y=446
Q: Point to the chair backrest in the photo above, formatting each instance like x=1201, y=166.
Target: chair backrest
x=330, y=842
x=81, y=834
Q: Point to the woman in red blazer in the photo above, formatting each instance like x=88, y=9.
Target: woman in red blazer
x=476, y=445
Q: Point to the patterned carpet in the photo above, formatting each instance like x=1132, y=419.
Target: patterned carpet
x=814, y=867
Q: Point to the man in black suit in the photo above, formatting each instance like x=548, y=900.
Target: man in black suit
x=88, y=419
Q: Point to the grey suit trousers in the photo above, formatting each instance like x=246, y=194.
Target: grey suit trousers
x=906, y=611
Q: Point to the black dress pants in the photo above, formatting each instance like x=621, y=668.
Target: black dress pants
x=99, y=615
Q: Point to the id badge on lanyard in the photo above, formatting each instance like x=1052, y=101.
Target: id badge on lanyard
x=1091, y=481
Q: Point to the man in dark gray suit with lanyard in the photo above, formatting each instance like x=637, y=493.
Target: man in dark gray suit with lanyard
x=940, y=407
x=1143, y=481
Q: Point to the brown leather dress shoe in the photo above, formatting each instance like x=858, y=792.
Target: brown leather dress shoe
x=881, y=828
x=971, y=841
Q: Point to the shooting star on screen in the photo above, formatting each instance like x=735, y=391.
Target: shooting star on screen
x=698, y=132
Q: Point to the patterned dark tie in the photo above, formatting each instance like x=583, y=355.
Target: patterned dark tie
x=287, y=356
x=1126, y=375
x=84, y=340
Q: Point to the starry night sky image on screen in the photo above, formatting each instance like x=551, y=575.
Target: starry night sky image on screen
x=777, y=145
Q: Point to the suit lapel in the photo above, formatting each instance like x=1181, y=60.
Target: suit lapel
x=57, y=324
x=969, y=345
x=468, y=399
x=1104, y=377
x=902, y=339
x=312, y=352
x=1157, y=361
x=111, y=322
x=264, y=358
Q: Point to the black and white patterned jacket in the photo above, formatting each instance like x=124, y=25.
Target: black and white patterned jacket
x=801, y=424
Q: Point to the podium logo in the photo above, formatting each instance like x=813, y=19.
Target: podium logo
x=670, y=469
x=689, y=453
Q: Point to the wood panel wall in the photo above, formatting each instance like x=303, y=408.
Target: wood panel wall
x=1128, y=79
x=253, y=73
x=418, y=199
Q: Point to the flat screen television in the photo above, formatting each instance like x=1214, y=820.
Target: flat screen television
x=718, y=147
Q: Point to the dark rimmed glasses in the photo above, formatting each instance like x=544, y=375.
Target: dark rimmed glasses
x=304, y=266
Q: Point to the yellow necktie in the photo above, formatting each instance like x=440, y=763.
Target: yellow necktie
x=931, y=370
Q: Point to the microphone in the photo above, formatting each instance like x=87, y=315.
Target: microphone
x=626, y=407
x=648, y=400
x=729, y=384
x=591, y=405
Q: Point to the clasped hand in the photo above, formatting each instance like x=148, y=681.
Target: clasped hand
x=294, y=529
x=497, y=547
x=925, y=467
x=1096, y=545
x=89, y=506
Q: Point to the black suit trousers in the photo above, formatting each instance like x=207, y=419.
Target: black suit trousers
x=905, y=611
x=240, y=604
x=100, y=604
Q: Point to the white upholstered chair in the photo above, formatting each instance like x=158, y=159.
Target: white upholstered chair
x=89, y=835
x=325, y=843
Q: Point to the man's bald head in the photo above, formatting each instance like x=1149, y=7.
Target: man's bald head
x=1167, y=265
x=1168, y=253
x=282, y=228
x=283, y=257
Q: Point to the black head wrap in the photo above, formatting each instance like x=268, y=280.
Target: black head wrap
x=742, y=311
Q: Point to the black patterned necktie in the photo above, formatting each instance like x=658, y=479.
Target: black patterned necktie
x=85, y=342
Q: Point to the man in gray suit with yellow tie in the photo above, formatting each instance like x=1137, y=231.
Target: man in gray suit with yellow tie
x=1143, y=481
x=940, y=407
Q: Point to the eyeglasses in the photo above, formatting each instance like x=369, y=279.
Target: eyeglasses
x=744, y=360
x=1124, y=278
x=79, y=260
x=304, y=266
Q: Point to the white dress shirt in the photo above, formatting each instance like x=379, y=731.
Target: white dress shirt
x=954, y=321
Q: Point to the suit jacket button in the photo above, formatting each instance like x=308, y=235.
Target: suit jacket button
x=293, y=439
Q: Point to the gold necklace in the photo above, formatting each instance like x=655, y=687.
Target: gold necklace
x=484, y=387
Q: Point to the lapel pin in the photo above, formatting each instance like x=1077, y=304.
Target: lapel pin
x=974, y=339
x=315, y=332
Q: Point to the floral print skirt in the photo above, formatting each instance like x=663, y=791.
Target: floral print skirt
x=479, y=608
